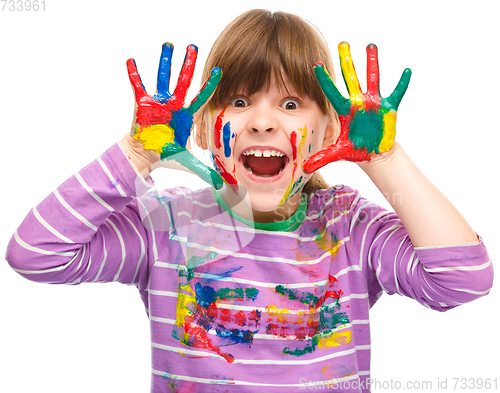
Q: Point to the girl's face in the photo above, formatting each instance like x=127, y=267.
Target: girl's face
x=259, y=143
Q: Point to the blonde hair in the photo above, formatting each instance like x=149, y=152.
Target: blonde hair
x=259, y=46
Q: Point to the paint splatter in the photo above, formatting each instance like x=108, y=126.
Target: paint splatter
x=368, y=121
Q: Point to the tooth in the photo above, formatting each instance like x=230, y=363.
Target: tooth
x=257, y=153
x=266, y=153
x=273, y=153
x=251, y=152
x=281, y=170
x=249, y=170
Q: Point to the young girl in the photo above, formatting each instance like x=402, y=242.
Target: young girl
x=266, y=283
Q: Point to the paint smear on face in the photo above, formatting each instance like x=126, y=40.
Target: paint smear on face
x=226, y=138
x=296, y=152
x=218, y=129
x=229, y=178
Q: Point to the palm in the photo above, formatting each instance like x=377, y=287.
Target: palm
x=162, y=122
x=368, y=121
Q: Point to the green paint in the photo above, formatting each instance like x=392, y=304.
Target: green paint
x=306, y=298
x=173, y=151
x=309, y=348
x=339, y=102
x=367, y=130
x=207, y=90
x=251, y=293
x=397, y=95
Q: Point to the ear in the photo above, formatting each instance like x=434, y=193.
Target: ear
x=332, y=130
x=201, y=132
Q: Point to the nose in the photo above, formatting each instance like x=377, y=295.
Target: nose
x=263, y=120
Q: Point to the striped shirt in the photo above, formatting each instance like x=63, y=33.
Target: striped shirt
x=234, y=305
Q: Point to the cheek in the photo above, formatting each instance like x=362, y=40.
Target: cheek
x=223, y=135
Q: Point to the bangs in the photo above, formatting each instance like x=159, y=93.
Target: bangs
x=259, y=47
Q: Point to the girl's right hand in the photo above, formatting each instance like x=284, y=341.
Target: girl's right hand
x=162, y=125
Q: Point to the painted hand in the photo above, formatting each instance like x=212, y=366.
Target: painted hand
x=368, y=121
x=162, y=123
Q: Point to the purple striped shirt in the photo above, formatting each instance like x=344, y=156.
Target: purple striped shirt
x=234, y=305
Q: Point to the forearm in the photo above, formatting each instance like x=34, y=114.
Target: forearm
x=428, y=216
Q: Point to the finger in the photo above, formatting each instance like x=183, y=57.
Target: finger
x=349, y=73
x=163, y=80
x=338, y=101
x=321, y=158
x=206, y=92
x=400, y=90
x=185, y=77
x=135, y=80
x=190, y=163
x=372, y=71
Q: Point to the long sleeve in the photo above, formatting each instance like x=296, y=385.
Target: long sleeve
x=87, y=230
x=440, y=277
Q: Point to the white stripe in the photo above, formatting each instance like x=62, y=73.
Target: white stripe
x=153, y=237
x=254, y=230
x=110, y=177
x=162, y=320
x=26, y=246
x=143, y=248
x=91, y=192
x=253, y=257
x=103, y=262
x=302, y=385
x=122, y=245
x=50, y=228
x=74, y=212
x=162, y=293
x=471, y=292
x=292, y=362
x=253, y=282
x=458, y=268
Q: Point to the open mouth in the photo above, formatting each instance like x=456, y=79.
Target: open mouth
x=264, y=163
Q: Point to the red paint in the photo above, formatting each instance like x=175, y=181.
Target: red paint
x=293, y=140
x=218, y=129
x=343, y=149
x=150, y=111
x=202, y=341
x=176, y=102
x=230, y=179
x=372, y=95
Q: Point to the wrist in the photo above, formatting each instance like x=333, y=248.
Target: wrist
x=142, y=159
x=381, y=162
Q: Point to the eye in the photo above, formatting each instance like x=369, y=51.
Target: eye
x=290, y=104
x=239, y=102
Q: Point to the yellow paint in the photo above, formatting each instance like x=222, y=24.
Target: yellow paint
x=186, y=305
x=335, y=339
x=300, y=146
x=350, y=77
x=389, y=131
x=335, y=248
x=275, y=311
x=155, y=137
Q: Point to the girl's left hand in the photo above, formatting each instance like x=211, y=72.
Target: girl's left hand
x=368, y=121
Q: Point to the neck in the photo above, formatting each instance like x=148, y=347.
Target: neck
x=242, y=209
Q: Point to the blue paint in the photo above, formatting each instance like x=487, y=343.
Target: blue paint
x=182, y=122
x=205, y=295
x=226, y=138
x=235, y=336
x=163, y=80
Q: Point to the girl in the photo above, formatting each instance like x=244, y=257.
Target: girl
x=266, y=283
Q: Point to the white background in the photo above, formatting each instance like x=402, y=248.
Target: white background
x=65, y=97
